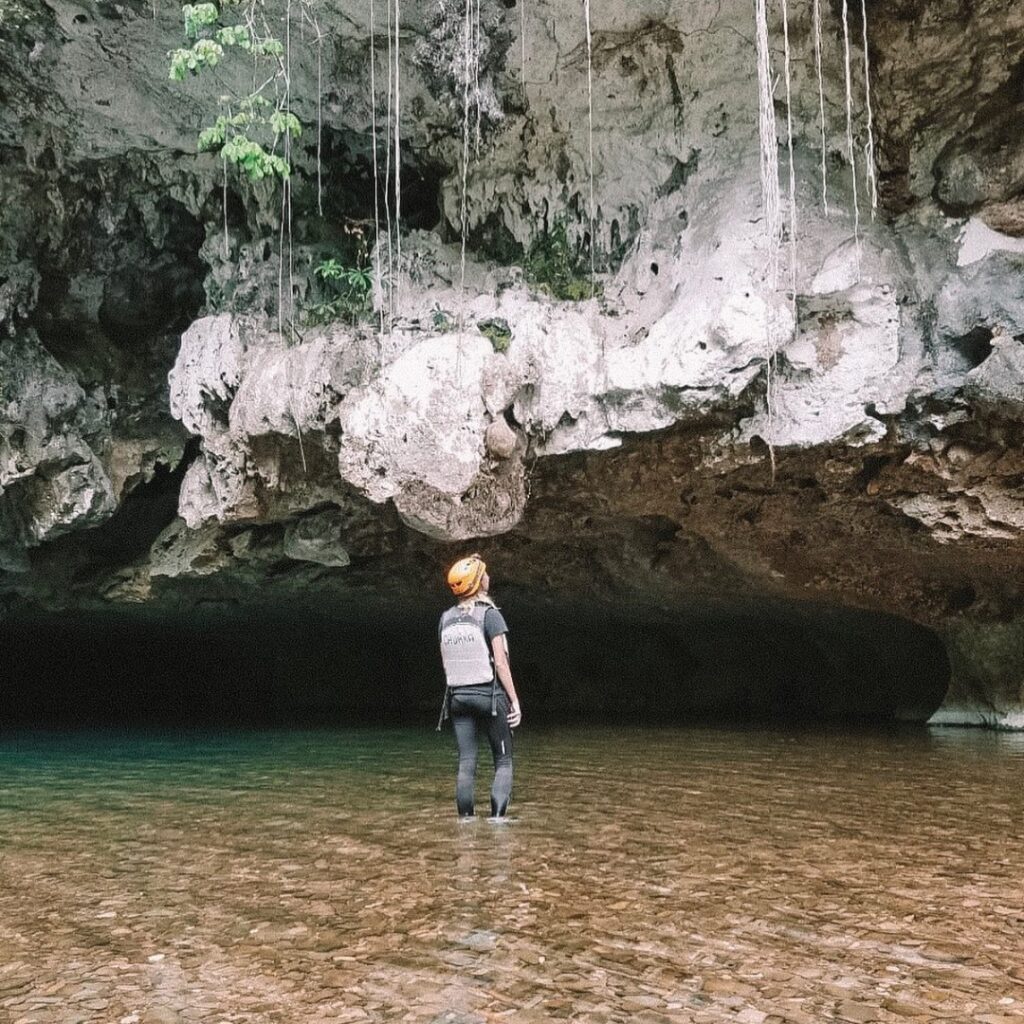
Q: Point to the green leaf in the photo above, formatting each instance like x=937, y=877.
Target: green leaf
x=206, y=53
x=253, y=160
x=197, y=17
x=268, y=47
x=281, y=122
x=179, y=64
x=235, y=35
x=212, y=137
x=358, y=279
x=279, y=166
x=329, y=270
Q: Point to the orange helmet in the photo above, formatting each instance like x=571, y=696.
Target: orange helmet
x=465, y=576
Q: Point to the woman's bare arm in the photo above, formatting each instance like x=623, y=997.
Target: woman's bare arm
x=499, y=645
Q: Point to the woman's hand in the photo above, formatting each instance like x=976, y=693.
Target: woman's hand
x=515, y=716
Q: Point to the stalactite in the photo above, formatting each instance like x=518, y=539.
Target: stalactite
x=869, y=146
x=590, y=139
x=849, y=131
x=821, y=103
x=376, y=170
x=789, y=148
x=397, y=286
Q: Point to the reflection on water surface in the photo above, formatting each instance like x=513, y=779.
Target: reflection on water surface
x=669, y=875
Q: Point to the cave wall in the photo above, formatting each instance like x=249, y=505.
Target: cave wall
x=165, y=445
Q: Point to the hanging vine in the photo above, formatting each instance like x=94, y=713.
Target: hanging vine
x=309, y=18
x=768, y=136
x=770, y=200
x=851, y=152
x=378, y=286
x=387, y=172
x=590, y=141
x=522, y=45
x=869, y=146
x=821, y=103
x=789, y=147
x=463, y=211
x=397, y=286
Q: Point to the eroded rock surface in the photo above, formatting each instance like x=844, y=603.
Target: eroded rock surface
x=845, y=431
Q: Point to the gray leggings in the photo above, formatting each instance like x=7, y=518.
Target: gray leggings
x=470, y=710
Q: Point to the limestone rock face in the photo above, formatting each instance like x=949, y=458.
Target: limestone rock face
x=318, y=538
x=988, y=687
x=51, y=479
x=998, y=382
x=675, y=408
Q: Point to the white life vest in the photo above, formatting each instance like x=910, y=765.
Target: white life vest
x=464, y=650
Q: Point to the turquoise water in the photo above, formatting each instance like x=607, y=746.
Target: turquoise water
x=647, y=875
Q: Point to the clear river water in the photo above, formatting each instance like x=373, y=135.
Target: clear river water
x=698, y=875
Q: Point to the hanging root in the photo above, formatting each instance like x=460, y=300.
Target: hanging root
x=288, y=157
x=849, y=132
x=376, y=173
x=227, y=240
x=770, y=198
x=789, y=147
x=869, y=146
x=821, y=102
x=280, y=268
x=522, y=44
x=398, y=167
x=590, y=141
x=476, y=71
x=319, y=118
x=769, y=146
x=387, y=178
x=298, y=431
x=463, y=214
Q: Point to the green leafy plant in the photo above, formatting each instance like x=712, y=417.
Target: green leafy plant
x=554, y=265
x=441, y=320
x=345, y=290
x=497, y=331
x=251, y=130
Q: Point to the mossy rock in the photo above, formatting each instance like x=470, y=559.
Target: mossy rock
x=497, y=331
x=561, y=272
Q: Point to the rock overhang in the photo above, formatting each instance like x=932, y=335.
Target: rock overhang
x=873, y=399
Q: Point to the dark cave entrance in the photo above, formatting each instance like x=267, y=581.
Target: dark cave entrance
x=215, y=664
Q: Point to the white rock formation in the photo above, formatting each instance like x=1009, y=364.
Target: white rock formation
x=51, y=479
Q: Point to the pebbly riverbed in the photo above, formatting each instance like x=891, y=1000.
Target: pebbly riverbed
x=694, y=875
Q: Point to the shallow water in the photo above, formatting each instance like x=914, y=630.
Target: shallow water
x=665, y=875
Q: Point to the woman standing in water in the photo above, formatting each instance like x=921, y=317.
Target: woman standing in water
x=474, y=650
